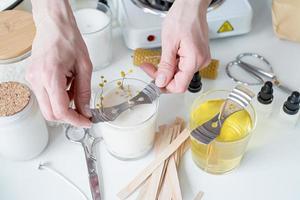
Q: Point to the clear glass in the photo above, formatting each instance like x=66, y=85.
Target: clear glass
x=94, y=20
x=219, y=157
x=132, y=134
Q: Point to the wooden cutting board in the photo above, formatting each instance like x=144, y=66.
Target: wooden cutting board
x=17, y=31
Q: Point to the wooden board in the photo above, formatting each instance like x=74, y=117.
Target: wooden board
x=17, y=31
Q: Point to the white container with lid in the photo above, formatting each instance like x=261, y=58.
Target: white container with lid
x=17, y=31
x=23, y=131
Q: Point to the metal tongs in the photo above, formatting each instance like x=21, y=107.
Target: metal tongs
x=148, y=95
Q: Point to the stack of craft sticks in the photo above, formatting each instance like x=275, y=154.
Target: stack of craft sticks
x=160, y=179
x=164, y=183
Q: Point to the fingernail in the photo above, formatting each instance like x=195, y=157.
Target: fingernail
x=87, y=111
x=160, y=80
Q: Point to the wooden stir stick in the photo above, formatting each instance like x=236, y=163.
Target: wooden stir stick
x=144, y=174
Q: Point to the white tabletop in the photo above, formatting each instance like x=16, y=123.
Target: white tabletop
x=269, y=169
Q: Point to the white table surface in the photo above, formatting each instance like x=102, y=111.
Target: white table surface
x=269, y=169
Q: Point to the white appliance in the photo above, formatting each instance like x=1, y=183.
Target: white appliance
x=141, y=24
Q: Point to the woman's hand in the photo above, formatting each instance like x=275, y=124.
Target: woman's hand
x=61, y=69
x=185, y=46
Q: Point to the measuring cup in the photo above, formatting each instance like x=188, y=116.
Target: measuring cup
x=83, y=137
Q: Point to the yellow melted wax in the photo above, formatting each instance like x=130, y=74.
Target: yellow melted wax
x=216, y=157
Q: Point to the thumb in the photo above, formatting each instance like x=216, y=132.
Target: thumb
x=167, y=65
x=82, y=87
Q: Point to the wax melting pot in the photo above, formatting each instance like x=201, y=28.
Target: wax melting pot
x=131, y=134
x=141, y=20
x=23, y=131
x=225, y=152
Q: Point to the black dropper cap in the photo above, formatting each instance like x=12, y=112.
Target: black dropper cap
x=292, y=104
x=265, y=96
x=196, y=84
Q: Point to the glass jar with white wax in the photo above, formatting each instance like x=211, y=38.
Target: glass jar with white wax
x=94, y=20
x=23, y=130
x=132, y=134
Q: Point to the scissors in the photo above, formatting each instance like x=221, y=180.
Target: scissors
x=83, y=137
x=256, y=72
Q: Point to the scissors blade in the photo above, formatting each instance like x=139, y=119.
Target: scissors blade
x=245, y=67
x=93, y=179
x=91, y=163
x=257, y=70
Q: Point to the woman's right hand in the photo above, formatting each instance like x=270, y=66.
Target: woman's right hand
x=60, y=69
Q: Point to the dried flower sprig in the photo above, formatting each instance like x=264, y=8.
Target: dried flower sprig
x=101, y=86
x=125, y=91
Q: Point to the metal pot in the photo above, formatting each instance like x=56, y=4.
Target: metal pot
x=160, y=7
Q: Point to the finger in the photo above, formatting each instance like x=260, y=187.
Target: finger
x=187, y=66
x=149, y=69
x=82, y=88
x=167, y=65
x=44, y=103
x=180, y=82
x=59, y=100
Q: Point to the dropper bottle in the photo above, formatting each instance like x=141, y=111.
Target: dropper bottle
x=194, y=90
x=290, y=110
x=264, y=103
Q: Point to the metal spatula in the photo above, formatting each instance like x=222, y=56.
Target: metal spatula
x=149, y=94
x=238, y=100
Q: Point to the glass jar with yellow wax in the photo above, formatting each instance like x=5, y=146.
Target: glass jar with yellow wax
x=226, y=151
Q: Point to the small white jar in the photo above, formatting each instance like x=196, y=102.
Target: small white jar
x=132, y=134
x=23, y=131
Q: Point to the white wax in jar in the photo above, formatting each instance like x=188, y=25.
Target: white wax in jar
x=95, y=28
x=132, y=134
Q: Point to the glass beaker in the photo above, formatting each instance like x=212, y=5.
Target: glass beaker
x=225, y=152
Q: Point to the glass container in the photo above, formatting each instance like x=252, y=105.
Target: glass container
x=132, y=134
x=225, y=152
x=94, y=20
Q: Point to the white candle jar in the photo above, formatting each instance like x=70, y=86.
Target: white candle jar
x=23, y=131
x=94, y=21
x=132, y=134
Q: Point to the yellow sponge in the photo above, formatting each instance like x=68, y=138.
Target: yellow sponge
x=141, y=56
x=152, y=56
x=211, y=71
